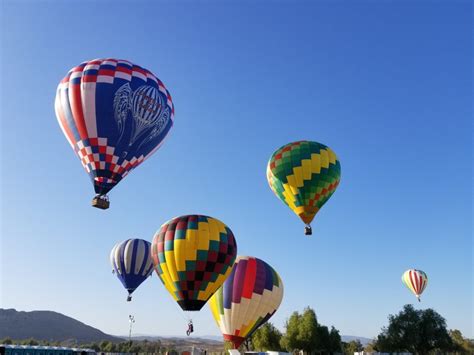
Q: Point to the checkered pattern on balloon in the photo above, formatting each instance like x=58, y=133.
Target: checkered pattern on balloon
x=193, y=255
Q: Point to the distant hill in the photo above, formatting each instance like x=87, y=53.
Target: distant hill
x=348, y=338
x=48, y=325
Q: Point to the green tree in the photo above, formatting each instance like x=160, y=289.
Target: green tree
x=303, y=332
x=461, y=344
x=151, y=347
x=6, y=341
x=113, y=348
x=125, y=346
x=157, y=347
x=94, y=346
x=30, y=341
x=415, y=331
x=310, y=333
x=134, y=348
x=370, y=347
x=104, y=344
x=352, y=347
x=321, y=342
x=172, y=352
x=335, y=344
x=267, y=337
x=227, y=346
x=290, y=341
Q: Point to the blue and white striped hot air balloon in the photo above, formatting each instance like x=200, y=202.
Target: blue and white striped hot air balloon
x=132, y=263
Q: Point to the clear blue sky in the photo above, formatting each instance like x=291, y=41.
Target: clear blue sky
x=387, y=85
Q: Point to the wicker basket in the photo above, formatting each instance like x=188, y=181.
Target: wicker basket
x=101, y=203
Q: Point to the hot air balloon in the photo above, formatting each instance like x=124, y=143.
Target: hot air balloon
x=115, y=115
x=416, y=281
x=249, y=297
x=304, y=175
x=131, y=263
x=193, y=255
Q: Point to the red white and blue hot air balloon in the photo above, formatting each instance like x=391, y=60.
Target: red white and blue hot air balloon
x=132, y=263
x=114, y=114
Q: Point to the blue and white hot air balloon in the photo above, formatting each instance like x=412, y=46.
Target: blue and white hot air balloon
x=132, y=263
x=115, y=114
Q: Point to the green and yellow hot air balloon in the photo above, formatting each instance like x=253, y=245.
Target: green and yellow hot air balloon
x=304, y=175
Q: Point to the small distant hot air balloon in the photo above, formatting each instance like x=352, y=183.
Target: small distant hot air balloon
x=416, y=281
x=304, y=175
x=193, y=255
x=131, y=263
x=114, y=114
x=247, y=299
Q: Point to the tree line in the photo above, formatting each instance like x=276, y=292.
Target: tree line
x=415, y=331
x=421, y=332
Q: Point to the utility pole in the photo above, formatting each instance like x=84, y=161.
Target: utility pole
x=131, y=320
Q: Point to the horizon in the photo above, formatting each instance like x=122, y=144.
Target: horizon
x=143, y=335
x=384, y=85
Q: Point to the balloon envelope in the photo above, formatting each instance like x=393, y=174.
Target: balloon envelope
x=114, y=114
x=193, y=255
x=131, y=262
x=304, y=175
x=249, y=297
x=416, y=281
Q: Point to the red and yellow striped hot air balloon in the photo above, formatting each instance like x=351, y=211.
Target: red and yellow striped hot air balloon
x=416, y=281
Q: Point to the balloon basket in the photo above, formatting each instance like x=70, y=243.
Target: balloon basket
x=101, y=202
x=308, y=230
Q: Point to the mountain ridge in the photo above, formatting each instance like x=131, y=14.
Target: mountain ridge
x=48, y=325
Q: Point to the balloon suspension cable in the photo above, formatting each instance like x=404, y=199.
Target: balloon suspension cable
x=186, y=315
x=308, y=230
x=180, y=310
